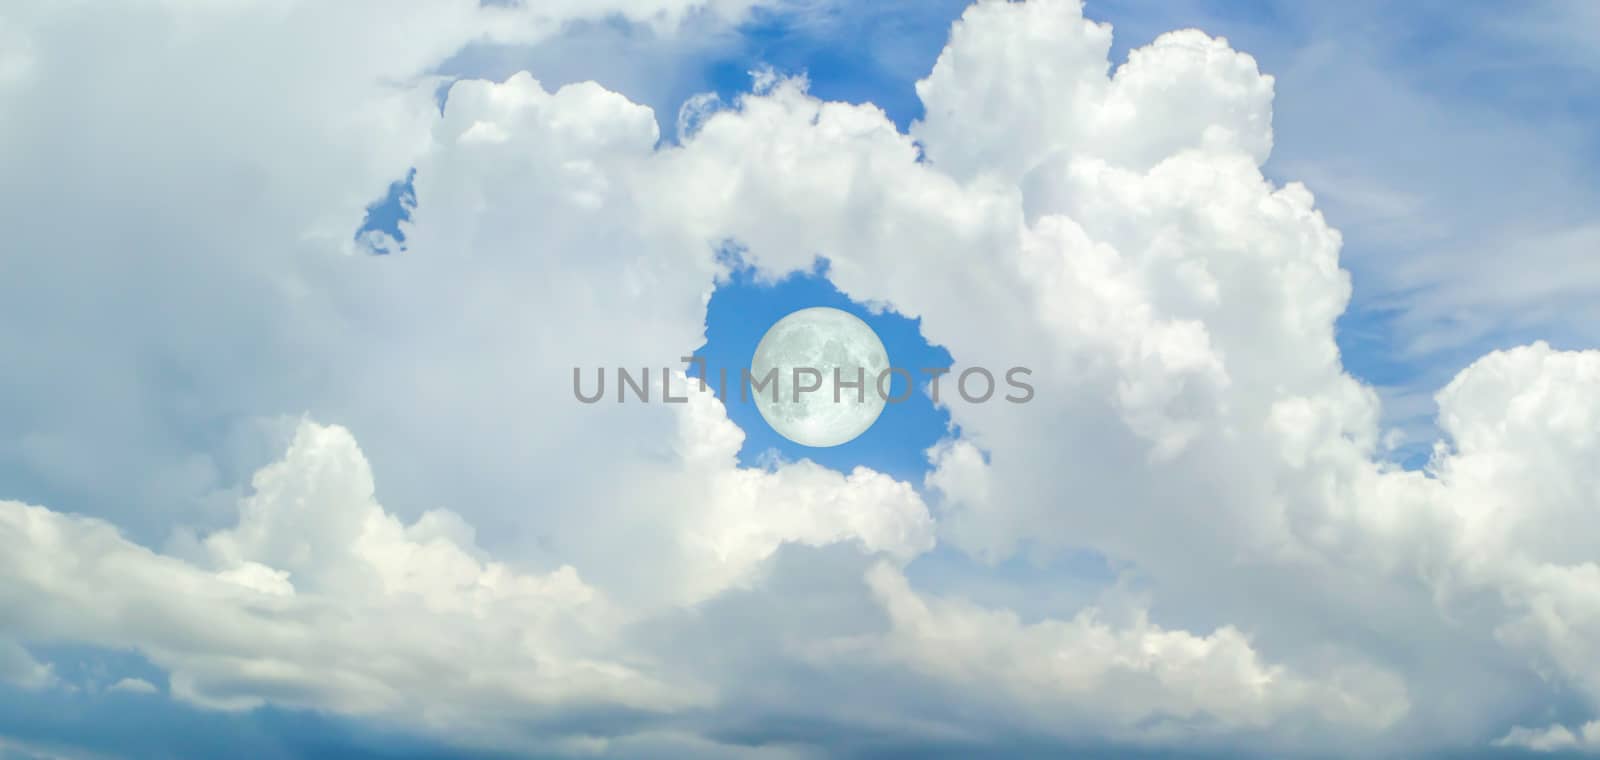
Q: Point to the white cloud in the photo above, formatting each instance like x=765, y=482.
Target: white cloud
x=1046, y=63
x=1132, y=680
x=133, y=686
x=1555, y=738
x=19, y=668
x=346, y=608
x=320, y=599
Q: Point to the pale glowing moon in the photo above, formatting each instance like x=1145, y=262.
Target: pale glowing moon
x=823, y=339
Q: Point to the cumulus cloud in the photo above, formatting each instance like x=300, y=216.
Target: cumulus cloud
x=1184, y=91
x=607, y=578
x=1135, y=680
x=319, y=598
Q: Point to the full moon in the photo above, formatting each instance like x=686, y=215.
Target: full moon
x=825, y=340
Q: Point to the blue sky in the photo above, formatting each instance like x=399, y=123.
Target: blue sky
x=740, y=311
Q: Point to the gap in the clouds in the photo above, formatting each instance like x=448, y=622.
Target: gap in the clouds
x=1373, y=349
x=1367, y=349
x=739, y=312
x=92, y=670
x=380, y=231
x=851, y=52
